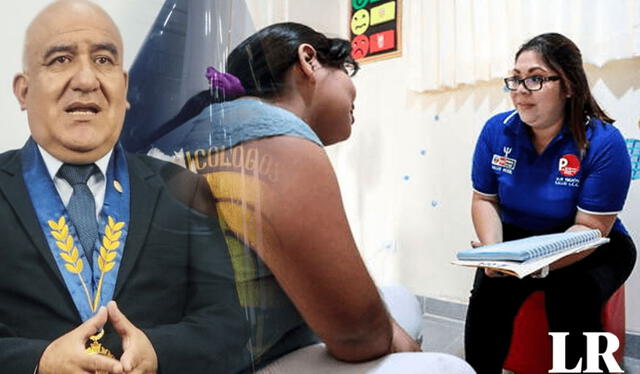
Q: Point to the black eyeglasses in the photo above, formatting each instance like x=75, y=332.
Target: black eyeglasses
x=350, y=68
x=532, y=83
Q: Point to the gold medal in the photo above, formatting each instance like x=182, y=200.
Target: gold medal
x=95, y=348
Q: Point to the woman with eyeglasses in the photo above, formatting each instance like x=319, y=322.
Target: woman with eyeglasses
x=554, y=164
x=258, y=137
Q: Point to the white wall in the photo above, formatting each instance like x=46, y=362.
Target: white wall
x=325, y=16
x=405, y=175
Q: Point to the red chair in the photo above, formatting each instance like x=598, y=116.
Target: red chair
x=530, y=351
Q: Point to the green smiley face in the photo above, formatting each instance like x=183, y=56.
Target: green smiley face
x=359, y=4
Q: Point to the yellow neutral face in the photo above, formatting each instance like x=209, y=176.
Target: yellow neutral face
x=360, y=22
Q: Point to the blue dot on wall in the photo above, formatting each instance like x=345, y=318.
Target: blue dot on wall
x=423, y=152
x=436, y=118
x=405, y=178
x=434, y=203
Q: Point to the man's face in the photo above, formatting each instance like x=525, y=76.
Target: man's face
x=74, y=87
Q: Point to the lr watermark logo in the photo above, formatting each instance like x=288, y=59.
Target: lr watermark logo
x=558, y=341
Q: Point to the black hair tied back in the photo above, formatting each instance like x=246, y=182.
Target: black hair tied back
x=262, y=60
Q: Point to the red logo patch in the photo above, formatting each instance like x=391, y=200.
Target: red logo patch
x=569, y=165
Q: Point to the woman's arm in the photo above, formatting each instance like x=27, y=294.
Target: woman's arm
x=485, y=213
x=304, y=238
x=603, y=189
x=586, y=221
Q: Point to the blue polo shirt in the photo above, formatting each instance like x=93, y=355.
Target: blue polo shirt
x=542, y=192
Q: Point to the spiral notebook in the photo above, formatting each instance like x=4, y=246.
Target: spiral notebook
x=525, y=256
x=531, y=247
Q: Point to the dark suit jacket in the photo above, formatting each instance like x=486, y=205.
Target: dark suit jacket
x=175, y=281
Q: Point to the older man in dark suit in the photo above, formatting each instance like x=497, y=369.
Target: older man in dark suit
x=83, y=223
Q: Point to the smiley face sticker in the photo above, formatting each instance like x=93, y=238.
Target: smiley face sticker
x=360, y=22
x=359, y=4
x=359, y=47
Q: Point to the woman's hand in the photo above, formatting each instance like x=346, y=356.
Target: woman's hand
x=491, y=273
x=494, y=273
x=401, y=341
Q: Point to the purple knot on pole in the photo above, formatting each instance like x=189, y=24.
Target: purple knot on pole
x=229, y=84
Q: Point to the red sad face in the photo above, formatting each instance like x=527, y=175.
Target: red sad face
x=359, y=47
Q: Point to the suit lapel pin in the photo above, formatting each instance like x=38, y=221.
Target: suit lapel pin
x=117, y=186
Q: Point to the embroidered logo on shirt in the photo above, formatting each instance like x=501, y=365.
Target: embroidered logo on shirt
x=569, y=165
x=504, y=163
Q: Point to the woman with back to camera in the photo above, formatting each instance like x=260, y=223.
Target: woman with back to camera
x=570, y=171
x=299, y=273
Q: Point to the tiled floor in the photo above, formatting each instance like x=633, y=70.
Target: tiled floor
x=442, y=334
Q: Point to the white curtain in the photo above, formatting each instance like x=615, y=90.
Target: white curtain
x=453, y=42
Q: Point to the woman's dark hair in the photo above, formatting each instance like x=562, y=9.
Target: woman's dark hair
x=561, y=54
x=261, y=61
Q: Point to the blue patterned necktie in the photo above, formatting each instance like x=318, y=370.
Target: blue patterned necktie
x=82, y=206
